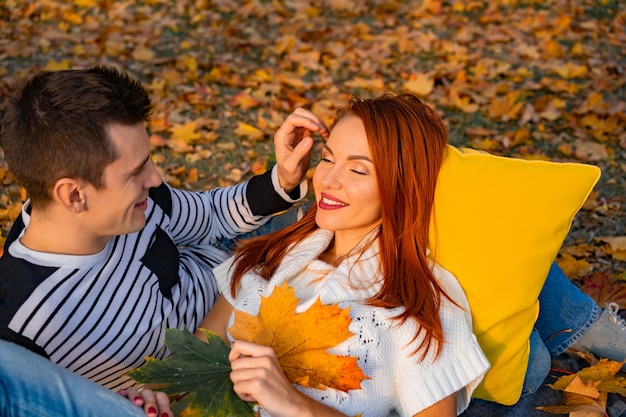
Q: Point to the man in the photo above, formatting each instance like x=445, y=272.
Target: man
x=105, y=256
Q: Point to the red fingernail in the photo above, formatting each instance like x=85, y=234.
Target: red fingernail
x=165, y=415
x=137, y=399
x=152, y=411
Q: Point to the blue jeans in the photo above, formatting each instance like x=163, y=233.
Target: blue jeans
x=31, y=385
x=565, y=314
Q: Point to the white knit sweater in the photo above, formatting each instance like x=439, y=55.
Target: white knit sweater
x=399, y=381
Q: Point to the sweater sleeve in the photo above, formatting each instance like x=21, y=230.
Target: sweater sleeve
x=208, y=216
x=459, y=368
x=266, y=196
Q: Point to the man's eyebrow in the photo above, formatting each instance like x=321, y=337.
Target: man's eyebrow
x=139, y=167
x=351, y=157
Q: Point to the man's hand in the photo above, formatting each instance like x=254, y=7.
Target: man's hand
x=293, y=143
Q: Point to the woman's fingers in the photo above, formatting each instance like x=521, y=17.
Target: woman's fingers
x=154, y=403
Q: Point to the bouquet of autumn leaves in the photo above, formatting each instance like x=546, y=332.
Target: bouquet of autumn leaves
x=196, y=375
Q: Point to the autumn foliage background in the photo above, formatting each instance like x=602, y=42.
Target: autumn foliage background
x=531, y=79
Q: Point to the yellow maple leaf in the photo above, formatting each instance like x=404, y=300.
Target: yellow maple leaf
x=420, y=84
x=143, y=54
x=370, y=84
x=462, y=102
x=11, y=212
x=54, y=65
x=85, y=3
x=588, y=389
x=570, y=70
x=301, y=340
x=248, y=131
x=585, y=392
x=571, y=266
x=186, y=132
x=617, y=246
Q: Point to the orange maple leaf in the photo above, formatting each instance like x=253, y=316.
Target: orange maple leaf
x=301, y=340
x=507, y=107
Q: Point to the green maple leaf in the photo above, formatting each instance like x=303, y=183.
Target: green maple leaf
x=198, y=369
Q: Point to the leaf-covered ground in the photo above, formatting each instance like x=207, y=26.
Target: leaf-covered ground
x=533, y=79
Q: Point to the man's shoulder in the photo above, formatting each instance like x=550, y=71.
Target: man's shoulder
x=162, y=197
x=21, y=276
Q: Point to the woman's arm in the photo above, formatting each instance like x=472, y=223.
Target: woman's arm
x=257, y=376
x=216, y=319
x=443, y=408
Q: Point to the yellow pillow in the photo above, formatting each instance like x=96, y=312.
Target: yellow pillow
x=498, y=225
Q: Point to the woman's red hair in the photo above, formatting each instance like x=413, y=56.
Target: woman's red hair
x=407, y=140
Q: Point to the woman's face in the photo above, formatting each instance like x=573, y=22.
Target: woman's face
x=346, y=188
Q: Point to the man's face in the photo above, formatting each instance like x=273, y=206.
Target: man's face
x=119, y=206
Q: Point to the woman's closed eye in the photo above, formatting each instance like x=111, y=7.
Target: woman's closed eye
x=356, y=171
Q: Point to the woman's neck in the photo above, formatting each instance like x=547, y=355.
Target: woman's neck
x=341, y=246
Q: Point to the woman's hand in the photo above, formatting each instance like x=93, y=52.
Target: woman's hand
x=257, y=376
x=154, y=403
x=293, y=143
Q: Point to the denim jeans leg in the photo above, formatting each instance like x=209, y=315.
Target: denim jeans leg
x=533, y=390
x=539, y=362
x=565, y=312
x=31, y=385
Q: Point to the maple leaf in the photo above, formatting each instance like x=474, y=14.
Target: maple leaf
x=585, y=392
x=601, y=288
x=301, y=340
x=617, y=246
x=142, y=53
x=54, y=65
x=198, y=369
x=249, y=131
x=571, y=266
x=507, y=107
x=462, y=102
x=420, y=84
x=185, y=132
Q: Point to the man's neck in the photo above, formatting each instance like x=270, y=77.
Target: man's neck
x=55, y=234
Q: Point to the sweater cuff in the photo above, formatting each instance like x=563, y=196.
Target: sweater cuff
x=265, y=195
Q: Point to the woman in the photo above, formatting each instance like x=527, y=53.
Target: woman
x=363, y=245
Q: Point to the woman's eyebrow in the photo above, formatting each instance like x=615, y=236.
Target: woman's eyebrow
x=351, y=157
x=360, y=157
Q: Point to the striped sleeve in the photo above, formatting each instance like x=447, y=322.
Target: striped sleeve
x=205, y=217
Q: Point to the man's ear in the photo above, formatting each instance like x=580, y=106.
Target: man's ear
x=70, y=193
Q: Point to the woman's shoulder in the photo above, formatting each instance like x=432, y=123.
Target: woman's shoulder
x=451, y=286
